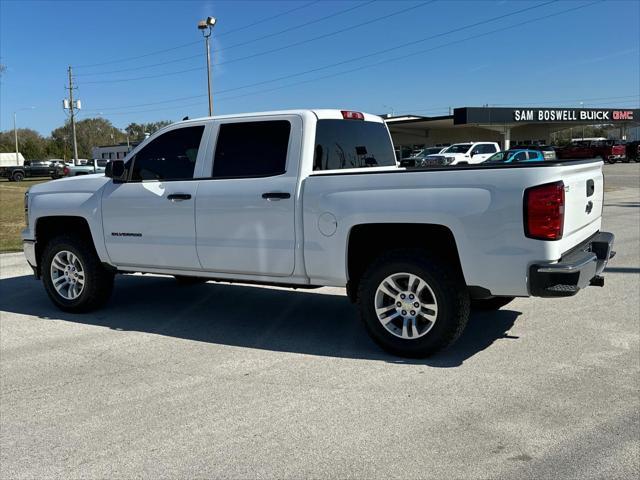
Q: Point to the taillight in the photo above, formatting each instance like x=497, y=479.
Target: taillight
x=65, y=170
x=544, y=211
x=348, y=115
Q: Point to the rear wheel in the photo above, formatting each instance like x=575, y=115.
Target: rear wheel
x=412, y=305
x=493, y=303
x=17, y=176
x=73, y=276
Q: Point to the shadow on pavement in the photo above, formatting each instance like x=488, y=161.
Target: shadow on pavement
x=623, y=204
x=622, y=270
x=295, y=321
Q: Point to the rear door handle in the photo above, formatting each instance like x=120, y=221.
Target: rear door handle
x=276, y=195
x=178, y=197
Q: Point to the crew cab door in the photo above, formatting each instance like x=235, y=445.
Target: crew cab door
x=245, y=211
x=149, y=220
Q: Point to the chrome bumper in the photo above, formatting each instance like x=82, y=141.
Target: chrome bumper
x=576, y=270
x=29, y=248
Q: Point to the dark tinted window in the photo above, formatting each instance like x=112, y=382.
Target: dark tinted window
x=352, y=144
x=252, y=149
x=519, y=157
x=171, y=156
x=486, y=148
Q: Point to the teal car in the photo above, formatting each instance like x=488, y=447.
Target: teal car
x=516, y=156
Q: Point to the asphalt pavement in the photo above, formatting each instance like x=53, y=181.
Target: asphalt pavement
x=228, y=381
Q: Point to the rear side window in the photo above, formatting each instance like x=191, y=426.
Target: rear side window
x=352, y=144
x=171, y=156
x=486, y=148
x=252, y=149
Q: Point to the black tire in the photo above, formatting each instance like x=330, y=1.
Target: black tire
x=448, y=289
x=493, y=303
x=611, y=160
x=17, y=176
x=98, y=281
x=184, y=280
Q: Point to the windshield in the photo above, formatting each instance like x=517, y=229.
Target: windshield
x=459, y=148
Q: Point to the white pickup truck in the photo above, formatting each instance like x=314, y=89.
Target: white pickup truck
x=311, y=198
x=463, y=153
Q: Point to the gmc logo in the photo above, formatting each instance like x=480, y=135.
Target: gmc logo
x=622, y=115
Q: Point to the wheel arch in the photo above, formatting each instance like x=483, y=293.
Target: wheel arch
x=50, y=227
x=366, y=242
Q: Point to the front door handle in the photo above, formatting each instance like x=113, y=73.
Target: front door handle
x=276, y=195
x=178, y=197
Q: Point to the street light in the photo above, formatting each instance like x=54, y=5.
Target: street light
x=15, y=130
x=206, y=26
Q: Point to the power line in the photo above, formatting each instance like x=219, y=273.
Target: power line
x=144, y=77
x=296, y=27
x=325, y=35
x=139, y=56
x=277, y=49
x=257, y=22
x=402, y=56
x=353, y=59
x=177, y=47
x=142, y=67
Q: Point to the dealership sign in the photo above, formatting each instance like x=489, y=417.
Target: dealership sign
x=571, y=115
x=488, y=115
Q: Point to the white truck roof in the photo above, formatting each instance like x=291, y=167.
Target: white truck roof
x=9, y=159
x=321, y=114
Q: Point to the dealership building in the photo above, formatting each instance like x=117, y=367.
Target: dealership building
x=508, y=126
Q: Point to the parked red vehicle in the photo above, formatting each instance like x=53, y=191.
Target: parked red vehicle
x=608, y=150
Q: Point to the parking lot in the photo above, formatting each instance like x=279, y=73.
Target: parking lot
x=221, y=380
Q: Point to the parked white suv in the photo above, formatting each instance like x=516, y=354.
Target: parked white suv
x=468, y=152
x=310, y=198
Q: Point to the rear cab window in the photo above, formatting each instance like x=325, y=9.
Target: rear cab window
x=342, y=144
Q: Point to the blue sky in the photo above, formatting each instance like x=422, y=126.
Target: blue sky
x=589, y=55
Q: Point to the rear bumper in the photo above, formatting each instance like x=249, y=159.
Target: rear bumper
x=576, y=269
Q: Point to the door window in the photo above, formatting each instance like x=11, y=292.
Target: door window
x=251, y=149
x=171, y=156
x=485, y=148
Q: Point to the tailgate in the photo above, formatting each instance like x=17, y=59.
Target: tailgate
x=584, y=193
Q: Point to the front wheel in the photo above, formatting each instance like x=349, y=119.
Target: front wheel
x=412, y=304
x=73, y=276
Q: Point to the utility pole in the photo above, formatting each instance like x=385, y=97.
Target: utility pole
x=15, y=134
x=72, y=108
x=206, y=27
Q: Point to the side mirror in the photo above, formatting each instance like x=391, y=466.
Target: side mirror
x=114, y=169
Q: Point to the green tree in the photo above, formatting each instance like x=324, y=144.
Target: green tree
x=137, y=131
x=31, y=144
x=90, y=133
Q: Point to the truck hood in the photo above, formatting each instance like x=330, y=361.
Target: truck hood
x=83, y=183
